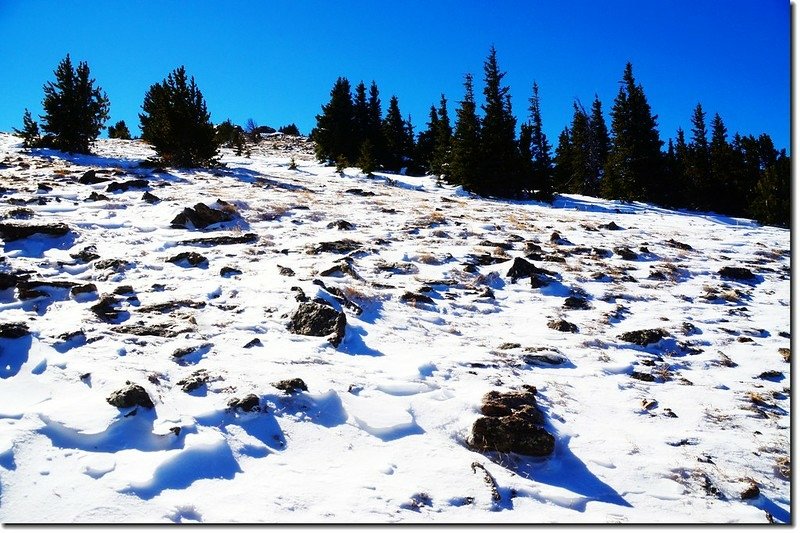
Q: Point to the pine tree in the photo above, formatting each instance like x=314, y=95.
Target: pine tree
x=75, y=109
x=442, y=141
x=366, y=159
x=771, y=203
x=119, y=131
x=426, y=139
x=699, y=170
x=395, y=135
x=290, y=129
x=634, y=166
x=374, y=127
x=29, y=131
x=580, y=178
x=598, y=149
x=360, y=115
x=725, y=194
x=562, y=173
x=333, y=135
x=465, y=154
x=540, y=149
x=176, y=122
x=500, y=154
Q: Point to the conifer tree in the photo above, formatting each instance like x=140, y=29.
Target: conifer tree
x=540, y=150
x=634, y=166
x=500, y=155
x=426, y=139
x=119, y=131
x=366, y=158
x=374, y=129
x=74, y=108
x=598, y=148
x=726, y=196
x=465, y=154
x=360, y=115
x=176, y=122
x=562, y=173
x=395, y=134
x=29, y=131
x=771, y=203
x=580, y=178
x=699, y=171
x=442, y=141
x=333, y=135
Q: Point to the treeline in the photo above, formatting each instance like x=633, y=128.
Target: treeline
x=174, y=119
x=487, y=154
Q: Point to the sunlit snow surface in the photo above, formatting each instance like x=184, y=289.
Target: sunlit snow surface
x=380, y=435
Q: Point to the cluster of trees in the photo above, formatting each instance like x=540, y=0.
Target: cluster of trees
x=175, y=119
x=484, y=153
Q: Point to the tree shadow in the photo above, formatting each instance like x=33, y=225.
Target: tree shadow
x=775, y=511
x=14, y=354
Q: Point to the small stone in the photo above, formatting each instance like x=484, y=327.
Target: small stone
x=249, y=403
x=643, y=337
x=227, y=272
x=562, y=325
x=291, y=385
x=254, y=343
x=751, y=492
x=737, y=273
x=191, y=258
x=130, y=396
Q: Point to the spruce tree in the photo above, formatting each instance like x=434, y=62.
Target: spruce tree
x=366, y=158
x=395, y=136
x=771, y=202
x=360, y=115
x=562, y=173
x=176, y=122
x=634, y=166
x=580, y=179
x=465, y=155
x=500, y=154
x=74, y=109
x=425, y=140
x=29, y=131
x=333, y=135
x=442, y=141
x=598, y=148
x=119, y=131
x=699, y=171
x=374, y=127
x=725, y=195
x=540, y=149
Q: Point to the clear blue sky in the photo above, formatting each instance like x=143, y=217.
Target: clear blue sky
x=275, y=61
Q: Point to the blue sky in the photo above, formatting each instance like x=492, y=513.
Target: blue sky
x=275, y=61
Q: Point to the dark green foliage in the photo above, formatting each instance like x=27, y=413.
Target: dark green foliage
x=465, y=155
x=119, y=131
x=442, y=141
x=29, y=131
x=373, y=129
x=360, y=115
x=580, y=175
x=290, y=129
x=598, y=148
x=582, y=151
x=74, y=109
x=333, y=135
x=177, y=124
x=562, y=174
x=231, y=135
x=772, y=196
x=699, y=168
x=498, y=146
x=634, y=166
x=425, y=140
x=396, y=137
x=542, y=177
x=366, y=159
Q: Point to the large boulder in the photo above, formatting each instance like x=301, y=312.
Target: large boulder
x=521, y=268
x=201, y=216
x=643, y=337
x=317, y=319
x=512, y=424
x=130, y=396
x=10, y=231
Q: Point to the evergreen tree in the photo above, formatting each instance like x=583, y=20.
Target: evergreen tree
x=333, y=135
x=540, y=149
x=598, y=147
x=290, y=129
x=176, y=122
x=500, y=155
x=725, y=195
x=395, y=135
x=465, y=155
x=374, y=127
x=771, y=203
x=360, y=115
x=366, y=158
x=562, y=173
x=75, y=109
x=442, y=141
x=699, y=170
x=426, y=139
x=634, y=166
x=29, y=131
x=580, y=178
x=119, y=131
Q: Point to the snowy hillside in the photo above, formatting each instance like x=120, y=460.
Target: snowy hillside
x=664, y=382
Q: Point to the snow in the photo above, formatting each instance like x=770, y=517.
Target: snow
x=381, y=434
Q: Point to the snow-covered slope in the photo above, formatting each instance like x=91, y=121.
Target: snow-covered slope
x=381, y=434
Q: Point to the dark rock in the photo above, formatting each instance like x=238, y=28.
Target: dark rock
x=509, y=346
x=602, y=253
x=751, y=492
x=130, y=396
x=547, y=359
x=501, y=245
x=513, y=424
x=643, y=337
x=117, y=265
x=249, y=403
x=341, y=225
x=20, y=213
x=487, y=293
x=126, y=185
x=90, y=178
x=150, y=198
x=106, y=309
x=10, y=231
x=643, y=376
x=27, y=290
x=201, y=216
x=611, y=226
x=562, y=325
x=141, y=330
x=291, y=385
x=194, y=381
x=226, y=272
x=359, y=192
x=86, y=255
x=340, y=269
x=123, y=290
x=319, y=320
x=556, y=238
x=339, y=296
x=416, y=298
x=97, y=197
x=737, y=273
x=680, y=245
x=10, y=279
x=13, y=330
x=286, y=271
x=168, y=307
x=180, y=353
x=576, y=303
x=521, y=268
x=83, y=289
x=191, y=258
x=222, y=240
x=336, y=247
x=253, y=343
x=485, y=259
x=626, y=253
